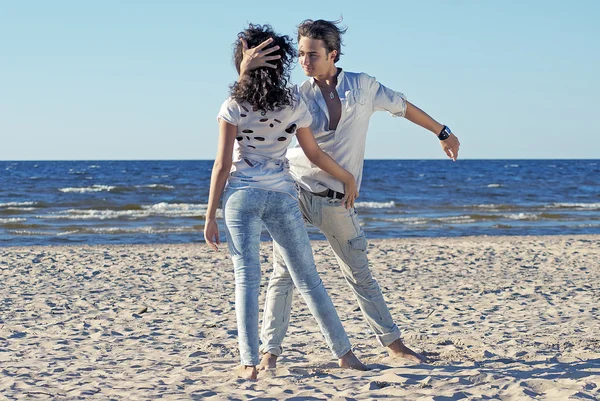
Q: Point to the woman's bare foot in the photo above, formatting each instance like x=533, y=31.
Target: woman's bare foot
x=350, y=361
x=246, y=372
x=268, y=361
x=398, y=349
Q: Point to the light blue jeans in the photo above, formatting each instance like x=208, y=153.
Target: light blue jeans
x=342, y=229
x=245, y=212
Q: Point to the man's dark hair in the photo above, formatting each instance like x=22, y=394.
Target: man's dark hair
x=265, y=88
x=327, y=31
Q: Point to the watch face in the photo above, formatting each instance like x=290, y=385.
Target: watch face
x=444, y=134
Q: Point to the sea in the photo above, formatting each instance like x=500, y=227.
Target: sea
x=157, y=201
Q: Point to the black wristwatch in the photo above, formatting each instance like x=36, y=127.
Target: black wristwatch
x=444, y=134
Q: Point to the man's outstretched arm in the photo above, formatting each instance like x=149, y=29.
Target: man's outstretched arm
x=415, y=115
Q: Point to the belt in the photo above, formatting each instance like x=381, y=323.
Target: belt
x=330, y=193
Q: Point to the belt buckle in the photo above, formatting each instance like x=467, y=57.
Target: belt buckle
x=334, y=194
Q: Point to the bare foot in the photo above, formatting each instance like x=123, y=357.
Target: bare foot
x=268, y=361
x=398, y=349
x=246, y=372
x=350, y=361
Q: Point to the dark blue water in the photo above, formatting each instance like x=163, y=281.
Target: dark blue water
x=126, y=202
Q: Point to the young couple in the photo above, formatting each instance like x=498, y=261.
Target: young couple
x=262, y=182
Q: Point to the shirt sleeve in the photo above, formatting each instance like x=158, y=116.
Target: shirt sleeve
x=229, y=112
x=304, y=116
x=386, y=99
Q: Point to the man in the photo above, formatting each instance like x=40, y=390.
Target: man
x=341, y=104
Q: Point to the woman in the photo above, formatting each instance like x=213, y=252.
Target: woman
x=256, y=125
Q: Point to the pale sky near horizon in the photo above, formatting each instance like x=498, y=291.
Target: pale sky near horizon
x=145, y=79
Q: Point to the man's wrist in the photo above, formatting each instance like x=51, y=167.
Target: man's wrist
x=444, y=133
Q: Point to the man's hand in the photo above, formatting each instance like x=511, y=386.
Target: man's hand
x=257, y=56
x=351, y=193
x=451, y=146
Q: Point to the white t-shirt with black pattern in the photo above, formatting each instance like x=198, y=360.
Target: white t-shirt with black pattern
x=259, y=154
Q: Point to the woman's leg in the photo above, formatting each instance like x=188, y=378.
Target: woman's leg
x=242, y=214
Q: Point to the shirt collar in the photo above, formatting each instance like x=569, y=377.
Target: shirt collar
x=340, y=77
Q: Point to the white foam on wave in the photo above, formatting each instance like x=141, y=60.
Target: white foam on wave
x=16, y=204
x=375, y=205
x=27, y=232
x=486, y=206
x=160, y=186
x=93, y=188
x=494, y=185
x=109, y=230
x=147, y=230
x=427, y=220
x=162, y=209
x=12, y=220
x=578, y=206
x=522, y=216
x=455, y=219
x=407, y=220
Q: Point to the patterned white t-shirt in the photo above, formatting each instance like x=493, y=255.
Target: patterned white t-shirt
x=259, y=154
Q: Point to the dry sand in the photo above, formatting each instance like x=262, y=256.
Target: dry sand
x=508, y=318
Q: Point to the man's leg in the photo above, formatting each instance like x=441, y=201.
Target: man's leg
x=284, y=221
x=278, y=306
x=342, y=229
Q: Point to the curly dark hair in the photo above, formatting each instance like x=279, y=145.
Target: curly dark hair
x=265, y=88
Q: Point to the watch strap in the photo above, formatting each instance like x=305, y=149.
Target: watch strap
x=444, y=134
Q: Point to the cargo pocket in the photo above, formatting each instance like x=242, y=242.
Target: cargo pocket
x=357, y=252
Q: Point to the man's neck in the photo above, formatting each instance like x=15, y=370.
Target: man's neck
x=329, y=78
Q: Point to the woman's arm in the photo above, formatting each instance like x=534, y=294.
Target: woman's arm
x=218, y=179
x=322, y=160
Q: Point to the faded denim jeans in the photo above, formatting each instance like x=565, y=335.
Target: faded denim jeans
x=347, y=239
x=245, y=212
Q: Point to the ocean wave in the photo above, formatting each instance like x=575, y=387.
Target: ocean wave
x=28, y=232
x=22, y=226
x=454, y=219
x=93, y=188
x=16, y=210
x=495, y=185
x=431, y=220
x=16, y=204
x=114, y=188
x=156, y=186
x=375, y=205
x=134, y=230
x=522, y=216
x=12, y=220
x=107, y=230
x=135, y=212
x=575, y=206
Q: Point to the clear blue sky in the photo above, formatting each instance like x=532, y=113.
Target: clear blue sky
x=145, y=79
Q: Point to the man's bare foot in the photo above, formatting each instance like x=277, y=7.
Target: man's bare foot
x=246, y=372
x=398, y=349
x=268, y=361
x=350, y=361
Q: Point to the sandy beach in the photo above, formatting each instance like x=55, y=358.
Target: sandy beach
x=507, y=318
